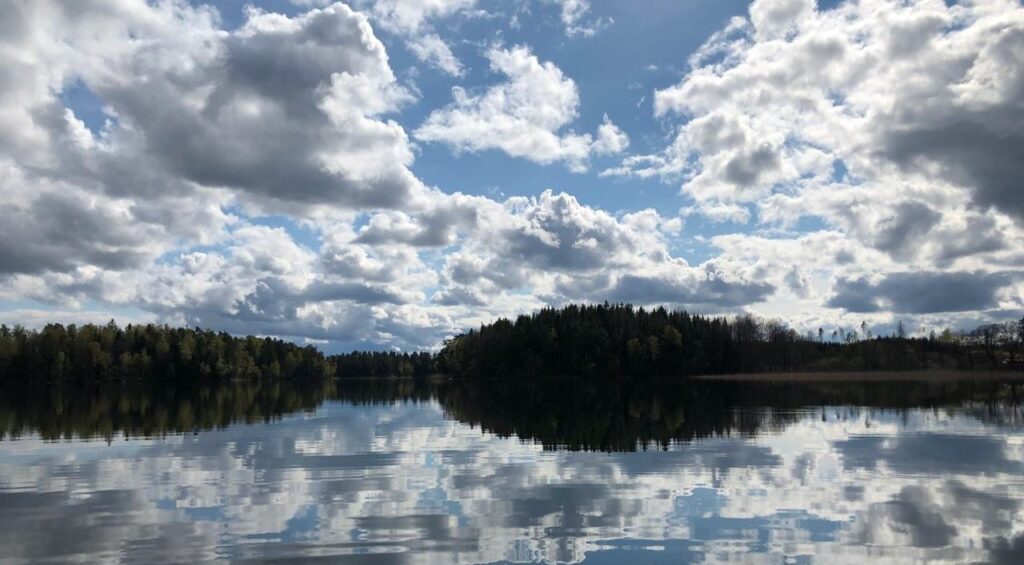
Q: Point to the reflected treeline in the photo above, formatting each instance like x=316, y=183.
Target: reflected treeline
x=598, y=415
x=369, y=391
x=617, y=416
x=152, y=407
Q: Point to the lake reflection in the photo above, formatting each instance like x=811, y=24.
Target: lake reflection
x=395, y=472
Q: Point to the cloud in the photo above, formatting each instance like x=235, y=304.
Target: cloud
x=524, y=116
x=920, y=97
x=411, y=19
x=436, y=226
x=890, y=128
x=554, y=231
x=257, y=179
x=610, y=139
x=279, y=115
x=720, y=212
x=433, y=49
x=266, y=283
x=703, y=292
x=54, y=231
x=573, y=14
x=900, y=233
x=773, y=19
x=559, y=250
x=282, y=111
x=921, y=292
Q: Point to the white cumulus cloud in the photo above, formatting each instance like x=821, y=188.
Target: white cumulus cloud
x=526, y=116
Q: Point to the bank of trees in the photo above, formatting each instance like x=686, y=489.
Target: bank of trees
x=611, y=340
x=384, y=364
x=619, y=340
x=109, y=352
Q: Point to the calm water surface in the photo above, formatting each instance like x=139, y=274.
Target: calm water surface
x=403, y=473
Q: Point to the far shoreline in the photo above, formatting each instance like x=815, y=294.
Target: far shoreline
x=869, y=376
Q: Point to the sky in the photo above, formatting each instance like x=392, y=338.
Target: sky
x=386, y=174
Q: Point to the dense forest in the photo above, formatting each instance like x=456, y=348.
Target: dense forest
x=622, y=341
x=109, y=352
x=384, y=364
x=603, y=340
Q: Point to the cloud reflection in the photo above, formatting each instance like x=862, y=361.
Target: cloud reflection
x=405, y=483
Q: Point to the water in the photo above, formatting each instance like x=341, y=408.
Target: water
x=594, y=473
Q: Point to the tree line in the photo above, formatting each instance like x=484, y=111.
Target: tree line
x=109, y=352
x=384, y=364
x=618, y=340
x=611, y=340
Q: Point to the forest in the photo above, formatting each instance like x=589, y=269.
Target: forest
x=109, y=352
x=618, y=340
x=603, y=340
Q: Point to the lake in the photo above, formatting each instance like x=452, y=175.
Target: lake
x=572, y=472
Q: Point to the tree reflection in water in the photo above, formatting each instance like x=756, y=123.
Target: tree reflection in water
x=406, y=471
x=591, y=415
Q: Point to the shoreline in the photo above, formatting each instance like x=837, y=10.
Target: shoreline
x=945, y=375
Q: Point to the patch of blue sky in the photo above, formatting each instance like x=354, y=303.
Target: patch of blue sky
x=807, y=224
x=496, y=175
x=301, y=233
x=694, y=245
x=695, y=251
x=616, y=71
x=840, y=172
x=22, y=304
x=86, y=105
x=645, y=49
x=232, y=12
x=836, y=97
x=361, y=221
x=830, y=4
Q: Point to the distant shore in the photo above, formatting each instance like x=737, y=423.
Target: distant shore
x=871, y=376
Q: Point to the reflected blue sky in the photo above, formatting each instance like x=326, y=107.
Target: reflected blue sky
x=402, y=483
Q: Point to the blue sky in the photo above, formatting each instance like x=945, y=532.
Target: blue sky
x=386, y=174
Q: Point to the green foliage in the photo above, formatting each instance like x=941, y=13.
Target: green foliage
x=578, y=340
x=384, y=364
x=619, y=341
x=108, y=352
